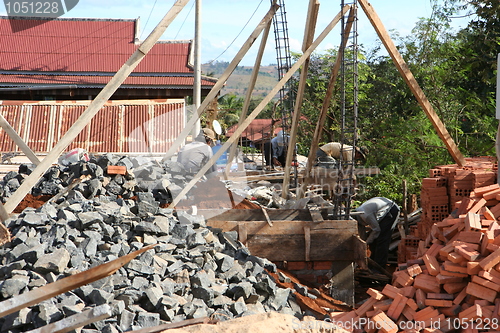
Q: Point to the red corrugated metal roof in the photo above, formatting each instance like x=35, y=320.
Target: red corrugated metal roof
x=116, y=128
x=99, y=80
x=83, y=45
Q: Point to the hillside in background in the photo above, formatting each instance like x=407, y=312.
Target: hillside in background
x=239, y=79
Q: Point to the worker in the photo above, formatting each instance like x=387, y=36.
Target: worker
x=222, y=160
x=196, y=154
x=330, y=153
x=381, y=216
x=275, y=150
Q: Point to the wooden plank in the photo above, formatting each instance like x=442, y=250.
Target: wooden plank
x=242, y=233
x=312, y=16
x=75, y=321
x=4, y=232
x=266, y=215
x=287, y=227
x=343, y=285
x=326, y=104
x=316, y=215
x=359, y=247
x=259, y=107
x=11, y=132
x=38, y=295
x=258, y=214
x=164, y=327
x=320, y=173
x=214, y=92
x=291, y=247
x=248, y=97
x=407, y=75
x=307, y=241
x=94, y=107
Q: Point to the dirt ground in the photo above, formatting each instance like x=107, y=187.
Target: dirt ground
x=31, y=201
x=263, y=323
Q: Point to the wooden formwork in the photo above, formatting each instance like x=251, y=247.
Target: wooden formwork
x=299, y=235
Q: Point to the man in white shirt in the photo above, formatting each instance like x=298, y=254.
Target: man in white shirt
x=331, y=150
x=381, y=216
x=196, y=154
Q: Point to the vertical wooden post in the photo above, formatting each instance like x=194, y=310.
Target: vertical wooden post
x=326, y=104
x=312, y=16
x=248, y=97
x=259, y=107
x=307, y=243
x=221, y=81
x=407, y=75
x=405, y=207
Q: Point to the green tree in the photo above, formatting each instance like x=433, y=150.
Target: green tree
x=230, y=107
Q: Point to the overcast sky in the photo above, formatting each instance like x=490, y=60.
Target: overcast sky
x=224, y=20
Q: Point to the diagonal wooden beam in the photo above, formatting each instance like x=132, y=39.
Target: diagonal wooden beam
x=326, y=104
x=75, y=321
x=94, y=106
x=260, y=107
x=248, y=97
x=221, y=81
x=412, y=83
x=18, y=140
x=312, y=16
x=4, y=232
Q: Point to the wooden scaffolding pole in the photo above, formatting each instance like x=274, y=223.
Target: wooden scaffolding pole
x=248, y=97
x=259, y=107
x=407, y=75
x=312, y=16
x=326, y=104
x=18, y=140
x=221, y=81
x=94, y=106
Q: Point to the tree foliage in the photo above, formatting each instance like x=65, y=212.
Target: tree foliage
x=457, y=72
x=230, y=106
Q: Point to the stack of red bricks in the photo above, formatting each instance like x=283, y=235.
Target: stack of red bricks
x=434, y=201
x=408, y=248
x=452, y=286
x=445, y=186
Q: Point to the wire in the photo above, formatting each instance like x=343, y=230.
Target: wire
x=238, y=34
x=151, y=12
x=180, y=28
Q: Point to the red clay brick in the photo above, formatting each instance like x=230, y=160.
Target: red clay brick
x=473, y=312
x=375, y=294
x=473, y=268
x=481, y=292
x=490, y=260
x=322, y=265
x=438, y=303
x=296, y=265
x=431, y=264
x=486, y=283
x=116, y=170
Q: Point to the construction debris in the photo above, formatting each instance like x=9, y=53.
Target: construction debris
x=192, y=271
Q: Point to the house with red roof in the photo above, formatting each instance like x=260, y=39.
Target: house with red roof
x=257, y=132
x=50, y=70
x=74, y=58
